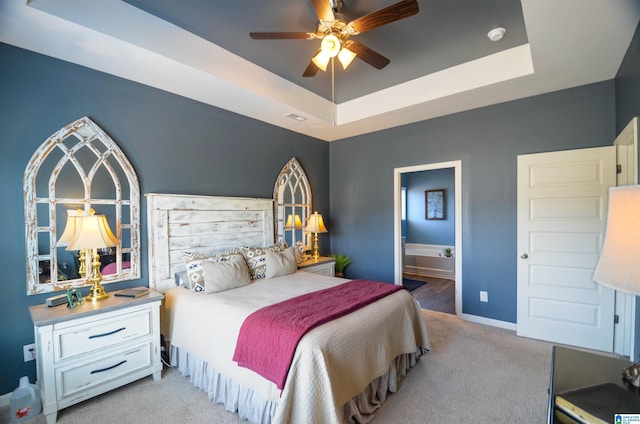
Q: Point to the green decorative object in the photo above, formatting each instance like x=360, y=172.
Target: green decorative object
x=74, y=297
x=341, y=263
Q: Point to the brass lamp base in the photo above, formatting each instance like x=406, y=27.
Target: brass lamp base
x=97, y=293
x=631, y=374
x=316, y=252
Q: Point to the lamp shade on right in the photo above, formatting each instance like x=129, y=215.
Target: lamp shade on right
x=619, y=263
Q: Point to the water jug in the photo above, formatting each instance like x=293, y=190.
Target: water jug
x=25, y=402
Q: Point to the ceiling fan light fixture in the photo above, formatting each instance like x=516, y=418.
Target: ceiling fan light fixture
x=330, y=45
x=345, y=57
x=321, y=60
x=334, y=30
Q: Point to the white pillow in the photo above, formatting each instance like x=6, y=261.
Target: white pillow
x=280, y=263
x=193, y=261
x=230, y=274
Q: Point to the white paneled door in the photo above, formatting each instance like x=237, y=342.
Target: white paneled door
x=562, y=209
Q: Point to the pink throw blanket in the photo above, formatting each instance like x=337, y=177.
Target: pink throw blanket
x=268, y=338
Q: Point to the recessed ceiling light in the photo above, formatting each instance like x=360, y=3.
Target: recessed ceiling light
x=496, y=34
x=296, y=117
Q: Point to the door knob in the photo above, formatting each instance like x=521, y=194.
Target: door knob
x=524, y=256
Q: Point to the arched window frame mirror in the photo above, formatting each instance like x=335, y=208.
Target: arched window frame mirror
x=45, y=207
x=292, y=196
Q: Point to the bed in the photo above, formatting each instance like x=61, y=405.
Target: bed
x=341, y=371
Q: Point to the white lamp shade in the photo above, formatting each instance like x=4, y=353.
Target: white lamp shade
x=330, y=45
x=619, y=263
x=345, y=57
x=315, y=224
x=92, y=232
x=70, y=226
x=321, y=60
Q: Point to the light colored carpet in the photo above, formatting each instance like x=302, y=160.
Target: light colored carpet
x=474, y=374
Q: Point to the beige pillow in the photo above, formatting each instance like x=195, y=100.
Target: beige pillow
x=193, y=265
x=226, y=275
x=280, y=263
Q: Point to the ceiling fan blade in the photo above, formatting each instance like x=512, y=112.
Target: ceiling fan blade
x=370, y=56
x=389, y=14
x=282, y=35
x=311, y=70
x=323, y=10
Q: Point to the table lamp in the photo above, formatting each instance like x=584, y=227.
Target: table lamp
x=90, y=232
x=315, y=225
x=618, y=266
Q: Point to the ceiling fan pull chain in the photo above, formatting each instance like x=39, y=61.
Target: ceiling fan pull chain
x=333, y=93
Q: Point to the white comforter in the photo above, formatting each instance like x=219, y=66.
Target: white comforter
x=333, y=362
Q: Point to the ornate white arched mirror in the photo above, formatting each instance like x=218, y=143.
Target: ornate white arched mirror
x=79, y=168
x=292, y=195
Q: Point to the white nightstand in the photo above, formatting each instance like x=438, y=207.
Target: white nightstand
x=323, y=265
x=95, y=347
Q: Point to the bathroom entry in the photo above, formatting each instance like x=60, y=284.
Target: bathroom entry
x=426, y=248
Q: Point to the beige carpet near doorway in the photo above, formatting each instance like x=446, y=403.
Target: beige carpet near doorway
x=474, y=374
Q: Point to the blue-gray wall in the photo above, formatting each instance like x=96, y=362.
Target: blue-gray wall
x=176, y=145
x=627, y=85
x=419, y=229
x=487, y=141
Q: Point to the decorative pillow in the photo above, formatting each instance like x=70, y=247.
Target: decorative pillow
x=280, y=263
x=298, y=249
x=181, y=278
x=193, y=263
x=256, y=259
x=225, y=275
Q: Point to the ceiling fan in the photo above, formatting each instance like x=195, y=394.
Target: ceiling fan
x=334, y=29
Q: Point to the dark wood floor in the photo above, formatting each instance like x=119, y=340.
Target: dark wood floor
x=437, y=295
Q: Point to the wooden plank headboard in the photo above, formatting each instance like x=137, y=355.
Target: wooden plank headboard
x=179, y=222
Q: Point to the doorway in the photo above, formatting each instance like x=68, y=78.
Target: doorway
x=397, y=222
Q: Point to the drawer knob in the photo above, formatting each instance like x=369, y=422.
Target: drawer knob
x=95, y=336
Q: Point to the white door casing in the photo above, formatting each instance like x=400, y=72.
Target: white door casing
x=562, y=209
x=626, y=145
x=397, y=222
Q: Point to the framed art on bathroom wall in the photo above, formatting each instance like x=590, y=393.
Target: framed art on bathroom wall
x=434, y=204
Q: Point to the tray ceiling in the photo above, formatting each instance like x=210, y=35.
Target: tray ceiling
x=442, y=61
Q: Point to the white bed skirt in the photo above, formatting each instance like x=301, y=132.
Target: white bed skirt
x=223, y=390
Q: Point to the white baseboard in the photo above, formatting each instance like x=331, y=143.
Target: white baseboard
x=488, y=321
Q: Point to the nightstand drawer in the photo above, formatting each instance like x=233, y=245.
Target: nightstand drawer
x=96, y=371
x=94, y=335
x=322, y=269
x=323, y=265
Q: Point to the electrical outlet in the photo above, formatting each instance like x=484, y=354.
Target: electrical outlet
x=29, y=352
x=484, y=296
